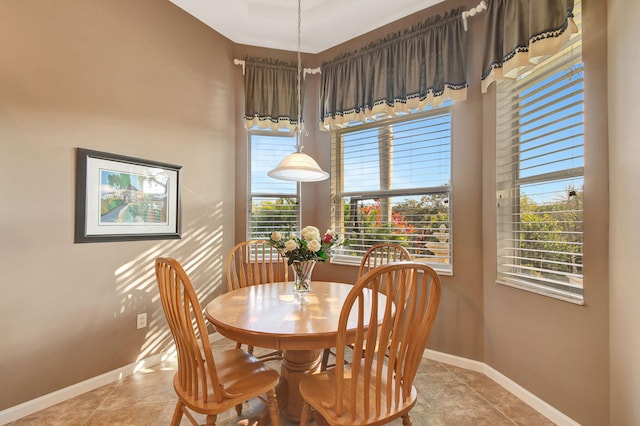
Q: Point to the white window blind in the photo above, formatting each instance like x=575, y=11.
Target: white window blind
x=273, y=203
x=540, y=169
x=391, y=183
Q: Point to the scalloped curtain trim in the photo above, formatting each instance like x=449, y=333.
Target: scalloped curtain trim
x=271, y=123
x=385, y=108
x=519, y=56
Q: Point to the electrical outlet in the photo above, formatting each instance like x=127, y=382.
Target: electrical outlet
x=141, y=321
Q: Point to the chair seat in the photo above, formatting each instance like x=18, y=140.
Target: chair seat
x=318, y=390
x=242, y=375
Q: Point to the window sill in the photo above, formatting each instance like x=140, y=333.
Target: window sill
x=350, y=261
x=576, y=299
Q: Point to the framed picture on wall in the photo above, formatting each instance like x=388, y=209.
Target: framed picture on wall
x=120, y=198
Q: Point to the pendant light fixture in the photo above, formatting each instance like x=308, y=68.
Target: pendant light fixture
x=298, y=166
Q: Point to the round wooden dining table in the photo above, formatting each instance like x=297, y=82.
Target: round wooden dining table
x=270, y=316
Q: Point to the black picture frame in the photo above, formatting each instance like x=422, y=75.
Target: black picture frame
x=121, y=198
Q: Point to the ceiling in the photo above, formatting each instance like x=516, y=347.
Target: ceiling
x=274, y=23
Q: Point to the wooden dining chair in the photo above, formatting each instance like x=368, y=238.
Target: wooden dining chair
x=377, y=255
x=255, y=262
x=377, y=386
x=205, y=384
x=381, y=254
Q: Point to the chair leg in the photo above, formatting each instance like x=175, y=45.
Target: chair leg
x=177, y=414
x=272, y=402
x=325, y=359
x=211, y=420
x=406, y=420
x=304, y=416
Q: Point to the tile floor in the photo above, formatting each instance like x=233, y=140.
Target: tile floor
x=447, y=395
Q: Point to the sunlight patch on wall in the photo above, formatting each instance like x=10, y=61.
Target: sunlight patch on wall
x=200, y=252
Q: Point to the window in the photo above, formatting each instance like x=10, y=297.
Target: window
x=391, y=182
x=540, y=184
x=273, y=203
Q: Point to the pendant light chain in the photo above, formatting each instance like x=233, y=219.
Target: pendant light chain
x=299, y=145
x=299, y=166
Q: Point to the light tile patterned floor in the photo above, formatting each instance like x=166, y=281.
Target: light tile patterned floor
x=447, y=395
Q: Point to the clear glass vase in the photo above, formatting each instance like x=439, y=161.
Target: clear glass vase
x=302, y=278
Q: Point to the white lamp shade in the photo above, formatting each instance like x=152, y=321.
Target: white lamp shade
x=298, y=167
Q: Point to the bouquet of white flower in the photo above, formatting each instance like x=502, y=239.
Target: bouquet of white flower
x=308, y=246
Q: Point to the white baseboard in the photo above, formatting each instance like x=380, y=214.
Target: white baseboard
x=29, y=407
x=550, y=412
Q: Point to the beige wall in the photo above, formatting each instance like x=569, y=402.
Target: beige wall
x=142, y=79
x=624, y=166
x=146, y=80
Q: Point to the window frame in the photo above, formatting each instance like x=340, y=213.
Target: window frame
x=337, y=196
x=281, y=133
x=508, y=191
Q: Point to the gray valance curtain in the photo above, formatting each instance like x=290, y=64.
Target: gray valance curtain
x=520, y=32
x=270, y=88
x=403, y=72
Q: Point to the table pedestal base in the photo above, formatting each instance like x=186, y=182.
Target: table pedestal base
x=295, y=365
